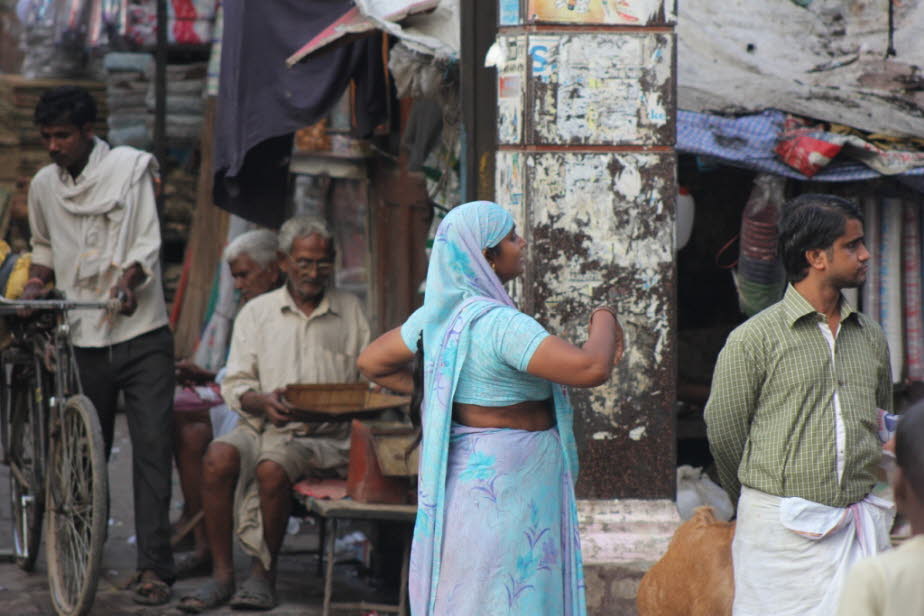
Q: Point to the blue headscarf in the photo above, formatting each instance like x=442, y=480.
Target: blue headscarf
x=461, y=287
x=458, y=269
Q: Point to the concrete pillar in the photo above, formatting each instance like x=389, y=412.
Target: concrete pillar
x=586, y=124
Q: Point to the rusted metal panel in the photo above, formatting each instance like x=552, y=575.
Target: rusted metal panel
x=600, y=227
x=594, y=12
x=600, y=89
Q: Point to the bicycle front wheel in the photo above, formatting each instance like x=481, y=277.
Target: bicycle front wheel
x=76, y=507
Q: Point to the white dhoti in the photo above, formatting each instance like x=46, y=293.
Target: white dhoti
x=791, y=555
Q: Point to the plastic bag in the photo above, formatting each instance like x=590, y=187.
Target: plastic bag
x=53, y=38
x=108, y=22
x=761, y=279
x=72, y=21
x=696, y=489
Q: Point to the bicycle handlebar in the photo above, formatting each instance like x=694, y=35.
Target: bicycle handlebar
x=10, y=306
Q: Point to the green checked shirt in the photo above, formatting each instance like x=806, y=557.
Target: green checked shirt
x=770, y=417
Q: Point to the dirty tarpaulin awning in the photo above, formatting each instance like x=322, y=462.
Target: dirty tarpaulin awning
x=428, y=26
x=750, y=142
x=825, y=59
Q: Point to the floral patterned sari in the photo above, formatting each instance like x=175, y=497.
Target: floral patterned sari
x=496, y=529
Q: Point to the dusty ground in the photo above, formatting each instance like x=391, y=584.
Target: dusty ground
x=300, y=591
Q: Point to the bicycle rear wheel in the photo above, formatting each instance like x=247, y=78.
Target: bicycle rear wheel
x=76, y=506
x=27, y=492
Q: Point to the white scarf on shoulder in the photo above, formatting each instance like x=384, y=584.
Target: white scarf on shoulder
x=101, y=197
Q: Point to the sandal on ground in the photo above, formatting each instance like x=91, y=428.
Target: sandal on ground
x=256, y=593
x=192, y=565
x=148, y=589
x=210, y=595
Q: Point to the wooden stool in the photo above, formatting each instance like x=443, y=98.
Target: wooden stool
x=329, y=512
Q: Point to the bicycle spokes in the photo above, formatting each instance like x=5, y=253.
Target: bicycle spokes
x=72, y=502
x=77, y=507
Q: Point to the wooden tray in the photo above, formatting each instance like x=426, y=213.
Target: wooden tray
x=339, y=401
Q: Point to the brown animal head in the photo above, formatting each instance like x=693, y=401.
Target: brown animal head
x=694, y=577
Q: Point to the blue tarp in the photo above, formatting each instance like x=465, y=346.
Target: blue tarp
x=749, y=141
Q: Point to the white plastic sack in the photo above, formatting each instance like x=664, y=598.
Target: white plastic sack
x=696, y=489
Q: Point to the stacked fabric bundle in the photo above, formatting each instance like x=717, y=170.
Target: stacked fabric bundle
x=185, y=102
x=130, y=88
x=189, y=22
x=889, y=262
x=128, y=78
x=46, y=52
x=911, y=268
x=132, y=100
x=893, y=291
x=179, y=202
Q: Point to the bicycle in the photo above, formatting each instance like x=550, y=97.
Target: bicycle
x=53, y=445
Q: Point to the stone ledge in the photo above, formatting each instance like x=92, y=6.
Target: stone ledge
x=622, y=531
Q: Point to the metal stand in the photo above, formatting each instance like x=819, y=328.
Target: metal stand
x=330, y=512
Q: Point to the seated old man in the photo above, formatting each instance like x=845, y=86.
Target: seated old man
x=200, y=414
x=303, y=332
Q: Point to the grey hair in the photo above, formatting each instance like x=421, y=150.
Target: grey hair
x=303, y=226
x=260, y=245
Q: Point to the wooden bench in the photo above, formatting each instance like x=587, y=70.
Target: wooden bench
x=330, y=512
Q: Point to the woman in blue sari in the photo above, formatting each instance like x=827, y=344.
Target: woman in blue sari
x=496, y=529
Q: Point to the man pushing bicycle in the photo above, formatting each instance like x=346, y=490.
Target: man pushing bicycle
x=96, y=236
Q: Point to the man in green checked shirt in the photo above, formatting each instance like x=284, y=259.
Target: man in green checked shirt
x=792, y=422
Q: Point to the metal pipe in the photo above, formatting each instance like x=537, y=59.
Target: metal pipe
x=160, y=97
x=8, y=306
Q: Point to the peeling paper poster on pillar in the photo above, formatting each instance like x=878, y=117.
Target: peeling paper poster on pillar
x=509, y=184
x=543, y=51
x=508, y=12
x=628, y=12
x=509, y=55
x=595, y=89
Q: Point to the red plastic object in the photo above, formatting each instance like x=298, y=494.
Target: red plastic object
x=365, y=481
x=807, y=154
x=333, y=489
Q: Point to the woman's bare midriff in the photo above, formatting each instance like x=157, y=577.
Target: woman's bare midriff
x=532, y=415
